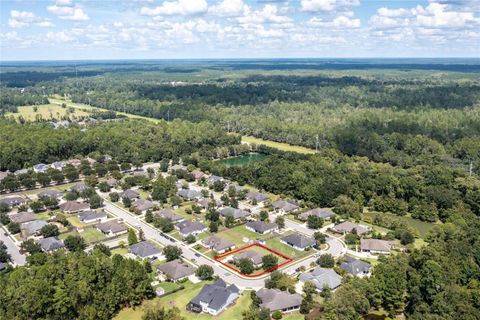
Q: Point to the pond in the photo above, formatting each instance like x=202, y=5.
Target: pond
x=242, y=160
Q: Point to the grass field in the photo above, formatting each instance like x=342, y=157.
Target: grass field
x=75, y=222
x=237, y=234
x=43, y=215
x=277, y=245
x=89, y=234
x=277, y=145
x=46, y=111
x=120, y=251
x=421, y=226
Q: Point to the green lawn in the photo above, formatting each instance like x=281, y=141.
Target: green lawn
x=277, y=245
x=76, y=222
x=89, y=234
x=277, y=145
x=43, y=215
x=237, y=234
x=120, y=251
x=181, y=298
x=168, y=286
x=421, y=226
x=45, y=111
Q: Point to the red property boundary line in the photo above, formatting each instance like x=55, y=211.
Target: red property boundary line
x=289, y=260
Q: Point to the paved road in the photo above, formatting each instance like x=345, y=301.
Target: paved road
x=17, y=257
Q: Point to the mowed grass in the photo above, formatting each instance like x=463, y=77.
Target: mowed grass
x=277, y=145
x=238, y=233
x=89, y=234
x=287, y=250
x=46, y=111
x=181, y=298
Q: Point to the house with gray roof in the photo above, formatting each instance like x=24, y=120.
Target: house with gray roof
x=41, y=167
x=218, y=244
x=176, y=270
x=356, y=267
x=321, y=278
x=205, y=203
x=298, y=241
x=145, y=250
x=189, y=194
x=111, y=228
x=22, y=217
x=112, y=182
x=234, y=212
x=58, y=165
x=187, y=227
x=90, y=216
x=317, y=212
x=252, y=255
x=257, y=196
x=376, y=246
x=177, y=166
x=275, y=299
x=284, y=207
x=51, y=244
x=214, y=298
x=73, y=206
x=32, y=228
x=213, y=178
x=13, y=201
x=261, y=227
x=347, y=227
x=170, y=214
x=130, y=194
x=79, y=187
x=54, y=194
x=142, y=205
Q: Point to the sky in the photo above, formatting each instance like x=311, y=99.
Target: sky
x=204, y=29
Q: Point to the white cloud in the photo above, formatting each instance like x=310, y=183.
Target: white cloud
x=269, y=14
x=59, y=37
x=326, y=5
x=436, y=15
x=339, y=22
x=386, y=12
x=64, y=11
x=229, y=8
x=180, y=7
x=20, y=19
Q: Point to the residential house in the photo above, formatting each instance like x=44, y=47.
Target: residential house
x=74, y=162
x=145, y=250
x=317, y=212
x=32, y=228
x=298, y=241
x=169, y=214
x=348, y=227
x=275, y=299
x=22, y=217
x=284, y=207
x=58, y=165
x=376, y=246
x=213, y=178
x=176, y=270
x=197, y=174
x=260, y=198
x=13, y=201
x=189, y=194
x=112, y=228
x=322, y=278
x=218, y=244
x=205, y=203
x=234, y=212
x=21, y=171
x=253, y=256
x=54, y=194
x=356, y=267
x=51, y=244
x=187, y=227
x=142, y=205
x=112, y=182
x=79, y=187
x=236, y=187
x=41, y=167
x=214, y=298
x=176, y=167
x=92, y=216
x=130, y=194
x=73, y=206
x=261, y=227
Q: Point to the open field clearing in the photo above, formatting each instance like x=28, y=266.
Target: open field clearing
x=277, y=145
x=45, y=112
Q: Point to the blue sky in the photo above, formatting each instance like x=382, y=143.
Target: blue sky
x=158, y=29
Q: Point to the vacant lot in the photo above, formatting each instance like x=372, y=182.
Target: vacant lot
x=240, y=233
x=46, y=112
x=277, y=145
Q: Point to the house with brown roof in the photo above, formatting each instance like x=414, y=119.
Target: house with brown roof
x=376, y=246
x=251, y=255
x=274, y=299
x=218, y=244
x=111, y=228
x=284, y=207
x=22, y=217
x=348, y=227
x=176, y=270
x=170, y=215
x=73, y=206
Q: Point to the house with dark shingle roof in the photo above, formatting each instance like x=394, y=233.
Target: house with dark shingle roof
x=22, y=217
x=356, y=267
x=92, y=216
x=32, y=228
x=54, y=194
x=218, y=244
x=111, y=228
x=234, y=212
x=274, y=299
x=41, y=167
x=145, y=250
x=213, y=178
x=205, y=203
x=130, y=194
x=142, y=205
x=321, y=278
x=284, y=207
x=79, y=187
x=51, y=244
x=257, y=196
x=252, y=255
x=176, y=270
x=187, y=227
x=170, y=214
x=376, y=246
x=214, y=298
x=298, y=241
x=317, y=212
x=73, y=206
x=13, y=201
x=261, y=227
x=189, y=194
x=347, y=227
